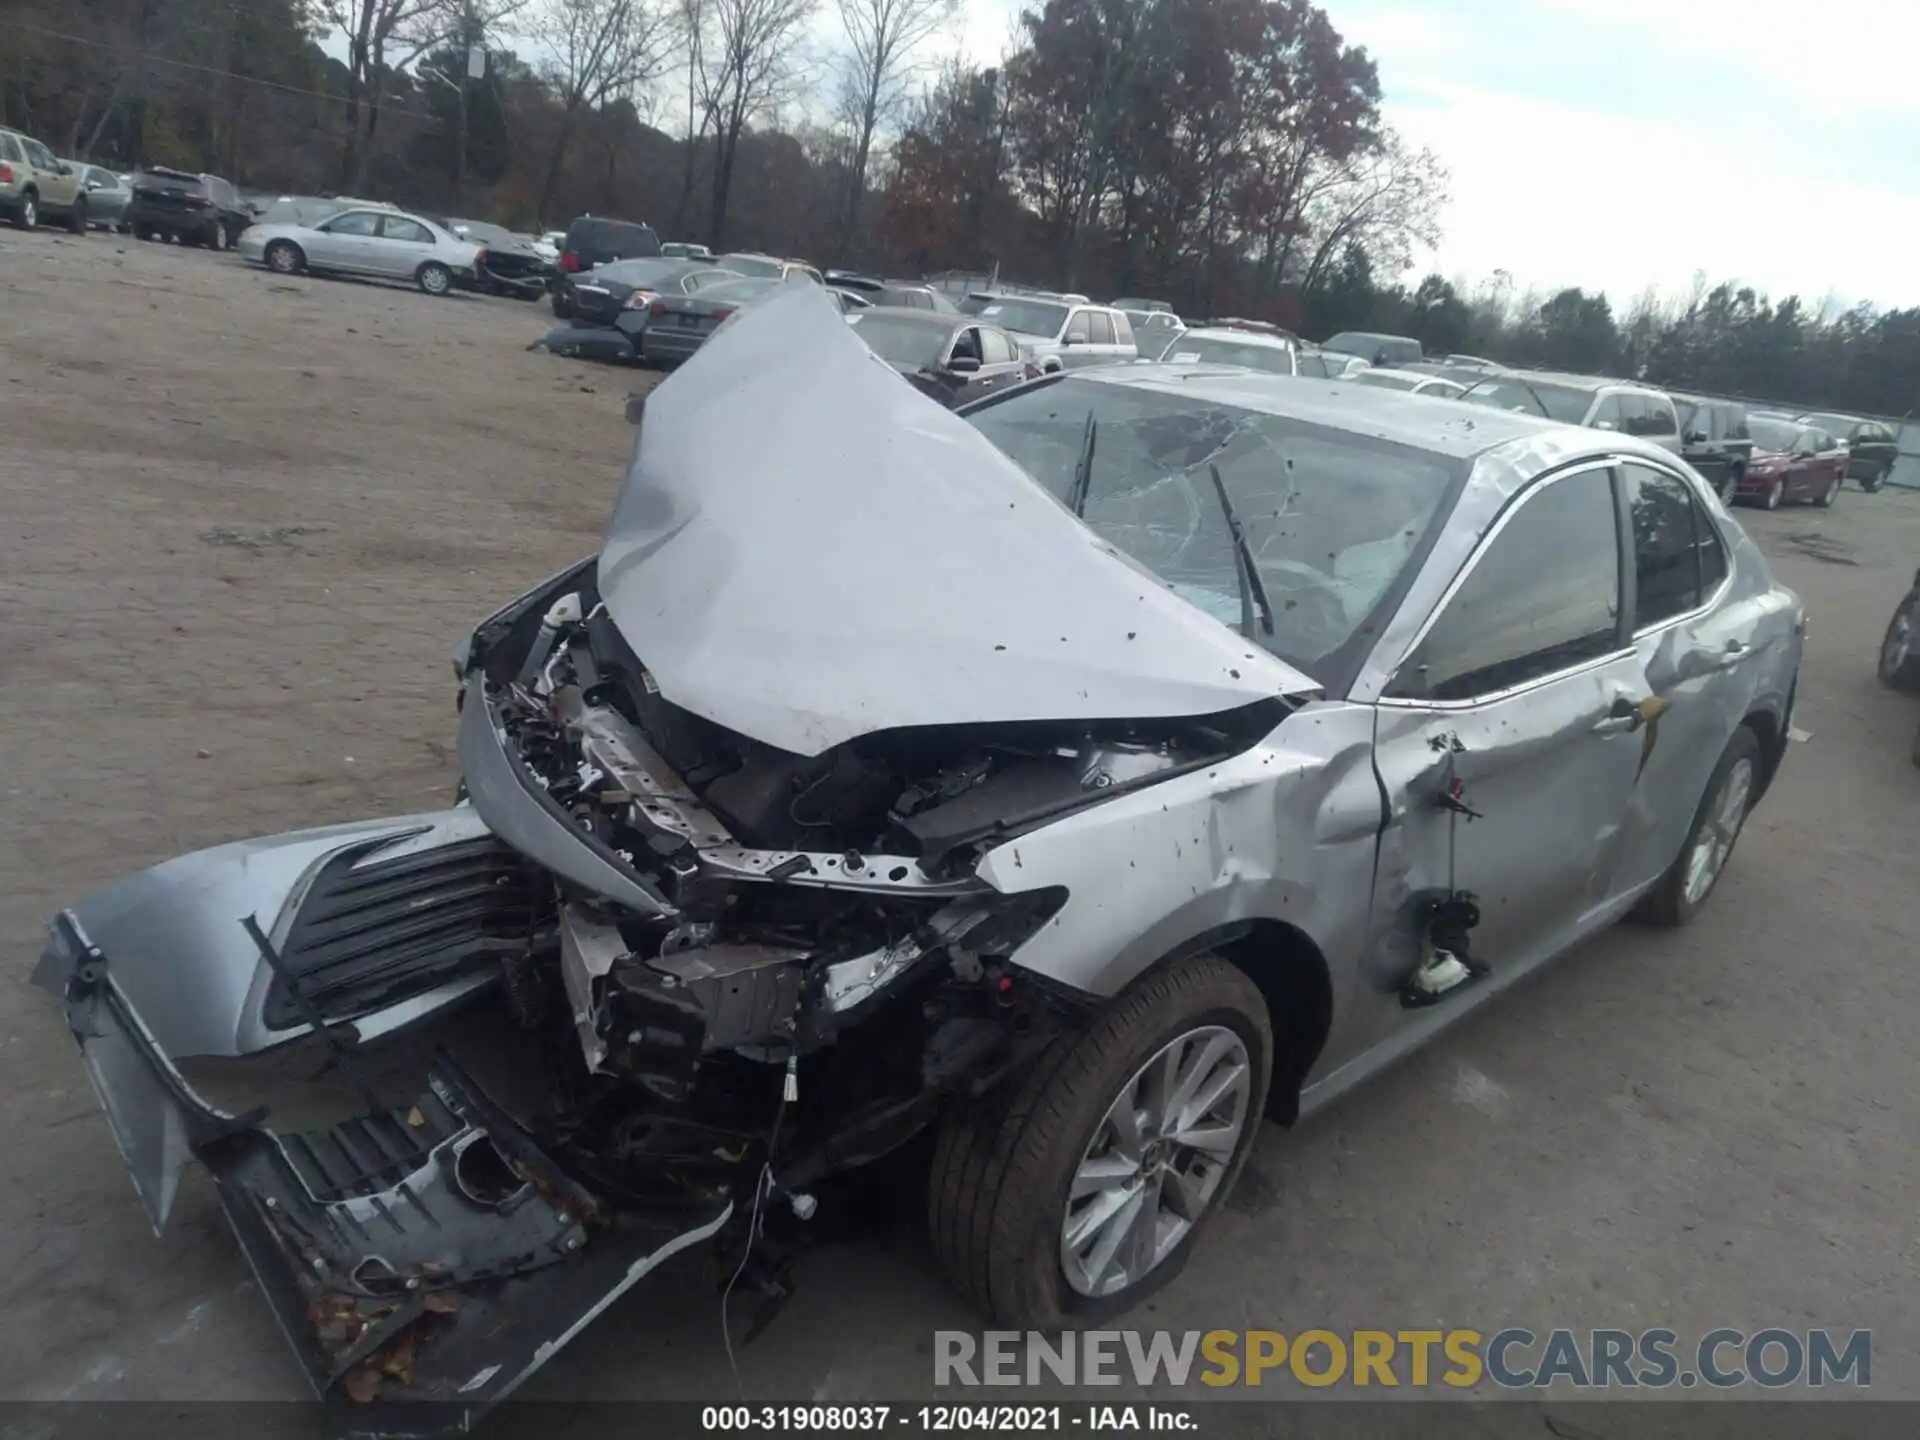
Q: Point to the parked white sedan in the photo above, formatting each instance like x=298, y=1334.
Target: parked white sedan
x=372, y=241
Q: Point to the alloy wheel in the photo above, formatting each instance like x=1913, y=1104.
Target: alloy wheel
x=1156, y=1160
x=1898, y=645
x=1714, y=843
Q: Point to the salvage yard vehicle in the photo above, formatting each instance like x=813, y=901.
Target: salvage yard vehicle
x=954, y=359
x=1872, y=445
x=35, y=186
x=1900, y=650
x=186, y=208
x=1790, y=461
x=1239, y=734
x=372, y=242
x=613, y=305
x=508, y=266
x=1209, y=345
x=1414, y=382
x=1714, y=439
x=1617, y=405
x=678, y=325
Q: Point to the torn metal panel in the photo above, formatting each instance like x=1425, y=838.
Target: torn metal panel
x=976, y=597
x=199, y=982
x=1284, y=831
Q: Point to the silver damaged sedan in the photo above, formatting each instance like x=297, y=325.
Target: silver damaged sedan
x=1081, y=777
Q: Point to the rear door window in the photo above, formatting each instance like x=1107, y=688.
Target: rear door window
x=995, y=348
x=398, y=227
x=1678, y=559
x=354, y=222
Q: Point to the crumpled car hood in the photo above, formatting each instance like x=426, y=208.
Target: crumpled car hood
x=806, y=550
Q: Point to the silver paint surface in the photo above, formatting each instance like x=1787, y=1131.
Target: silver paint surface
x=807, y=549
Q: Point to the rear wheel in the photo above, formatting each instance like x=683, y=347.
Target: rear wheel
x=434, y=278
x=1081, y=1193
x=1680, y=893
x=1900, y=647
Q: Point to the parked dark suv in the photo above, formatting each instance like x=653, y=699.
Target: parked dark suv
x=593, y=240
x=1873, y=445
x=193, y=209
x=1714, y=439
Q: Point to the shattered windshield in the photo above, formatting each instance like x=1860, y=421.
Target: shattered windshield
x=1333, y=519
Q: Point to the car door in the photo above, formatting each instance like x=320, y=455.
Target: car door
x=1807, y=464
x=1000, y=364
x=402, y=246
x=345, y=242
x=58, y=184
x=1075, y=341
x=1519, y=700
x=1690, y=649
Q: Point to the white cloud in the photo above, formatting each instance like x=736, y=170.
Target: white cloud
x=1558, y=195
x=1836, y=57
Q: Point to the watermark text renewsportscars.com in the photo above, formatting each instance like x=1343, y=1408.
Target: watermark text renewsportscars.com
x=1511, y=1359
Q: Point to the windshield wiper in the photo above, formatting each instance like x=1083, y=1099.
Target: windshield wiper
x=1083, y=470
x=1251, y=590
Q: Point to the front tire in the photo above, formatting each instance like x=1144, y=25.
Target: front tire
x=1688, y=883
x=1081, y=1193
x=1900, y=647
x=217, y=237
x=27, y=217
x=1775, y=494
x=1825, y=498
x=1879, y=478
x=77, y=217
x=283, y=257
x=434, y=279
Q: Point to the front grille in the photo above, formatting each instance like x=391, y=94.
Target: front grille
x=370, y=932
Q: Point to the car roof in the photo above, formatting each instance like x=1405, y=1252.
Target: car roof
x=1593, y=384
x=1238, y=336
x=1441, y=426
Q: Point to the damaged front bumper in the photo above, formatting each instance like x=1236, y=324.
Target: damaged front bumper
x=430, y=1251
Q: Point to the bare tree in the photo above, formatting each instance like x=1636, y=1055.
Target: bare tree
x=601, y=50
x=1387, y=200
x=881, y=38
x=745, y=67
x=381, y=35
x=465, y=26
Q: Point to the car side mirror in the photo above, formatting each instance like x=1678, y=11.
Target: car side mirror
x=963, y=365
x=1696, y=437
x=1072, y=340
x=1605, y=425
x=93, y=185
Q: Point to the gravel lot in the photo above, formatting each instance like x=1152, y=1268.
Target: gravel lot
x=245, y=518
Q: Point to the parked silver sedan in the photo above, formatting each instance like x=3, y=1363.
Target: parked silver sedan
x=107, y=194
x=1083, y=774
x=369, y=241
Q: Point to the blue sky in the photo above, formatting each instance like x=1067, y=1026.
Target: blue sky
x=1622, y=144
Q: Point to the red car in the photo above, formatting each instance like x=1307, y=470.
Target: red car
x=1791, y=461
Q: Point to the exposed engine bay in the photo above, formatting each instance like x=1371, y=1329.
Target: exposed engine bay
x=712, y=974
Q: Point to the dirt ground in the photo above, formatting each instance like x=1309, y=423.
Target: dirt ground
x=242, y=521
